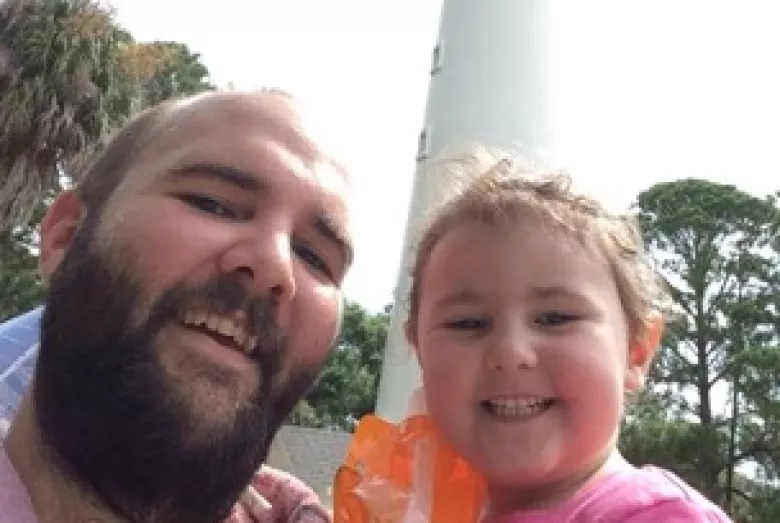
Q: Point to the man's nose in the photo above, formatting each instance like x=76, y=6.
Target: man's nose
x=267, y=262
x=513, y=348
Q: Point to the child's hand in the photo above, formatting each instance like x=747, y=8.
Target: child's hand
x=276, y=496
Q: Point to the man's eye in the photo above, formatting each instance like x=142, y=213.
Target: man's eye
x=552, y=319
x=467, y=324
x=312, y=259
x=207, y=204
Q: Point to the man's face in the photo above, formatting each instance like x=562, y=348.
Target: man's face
x=185, y=322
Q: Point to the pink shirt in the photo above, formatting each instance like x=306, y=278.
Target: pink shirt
x=625, y=494
x=15, y=504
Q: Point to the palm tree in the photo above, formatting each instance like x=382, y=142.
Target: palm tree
x=62, y=84
x=166, y=70
x=68, y=76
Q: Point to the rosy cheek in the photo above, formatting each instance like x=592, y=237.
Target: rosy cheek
x=444, y=371
x=170, y=245
x=316, y=317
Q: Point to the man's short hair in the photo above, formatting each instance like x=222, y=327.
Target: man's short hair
x=107, y=169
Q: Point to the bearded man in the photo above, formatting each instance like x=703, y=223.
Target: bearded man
x=194, y=289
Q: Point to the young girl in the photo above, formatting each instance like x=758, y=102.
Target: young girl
x=533, y=313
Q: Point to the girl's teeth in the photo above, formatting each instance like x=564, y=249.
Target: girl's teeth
x=517, y=408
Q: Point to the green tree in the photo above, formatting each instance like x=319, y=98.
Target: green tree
x=653, y=434
x=347, y=387
x=168, y=70
x=716, y=248
x=68, y=76
x=61, y=83
x=21, y=286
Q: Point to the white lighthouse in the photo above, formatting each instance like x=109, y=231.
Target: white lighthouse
x=492, y=82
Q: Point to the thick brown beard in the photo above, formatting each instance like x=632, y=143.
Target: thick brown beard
x=107, y=410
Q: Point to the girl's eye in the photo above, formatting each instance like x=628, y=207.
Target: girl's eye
x=314, y=260
x=553, y=319
x=208, y=205
x=468, y=324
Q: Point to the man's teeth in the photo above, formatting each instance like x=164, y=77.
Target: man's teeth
x=517, y=407
x=221, y=325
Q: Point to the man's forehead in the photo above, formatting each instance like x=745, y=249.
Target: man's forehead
x=260, y=134
x=232, y=123
x=269, y=114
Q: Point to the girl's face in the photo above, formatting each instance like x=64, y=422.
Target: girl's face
x=525, y=353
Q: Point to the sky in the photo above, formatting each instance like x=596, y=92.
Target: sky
x=658, y=90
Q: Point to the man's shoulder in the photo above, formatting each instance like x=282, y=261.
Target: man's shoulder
x=15, y=504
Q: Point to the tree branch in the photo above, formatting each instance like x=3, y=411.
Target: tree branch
x=719, y=376
x=719, y=294
x=676, y=351
x=677, y=295
x=742, y=494
x=756, y=447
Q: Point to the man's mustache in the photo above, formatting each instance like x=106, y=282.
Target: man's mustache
x=227, y=296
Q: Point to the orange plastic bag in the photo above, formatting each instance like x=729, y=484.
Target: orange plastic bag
x=402, y=474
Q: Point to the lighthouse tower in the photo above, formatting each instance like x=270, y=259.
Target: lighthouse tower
x=492, y=83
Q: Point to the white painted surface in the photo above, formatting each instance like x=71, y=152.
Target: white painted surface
x=493, y=84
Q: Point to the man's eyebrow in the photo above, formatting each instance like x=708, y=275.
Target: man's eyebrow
x=327, y=227
x=224, y=173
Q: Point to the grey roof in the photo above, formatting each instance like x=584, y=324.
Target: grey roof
x=313, y=455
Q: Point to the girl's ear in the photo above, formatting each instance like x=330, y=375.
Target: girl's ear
x=641, y=353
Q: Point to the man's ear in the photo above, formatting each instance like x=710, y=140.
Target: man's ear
x=58, y=229
x=641, y=353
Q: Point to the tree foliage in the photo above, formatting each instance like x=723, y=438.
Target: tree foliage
x=716, y=248
x=69, y=75
x=58, y=82
x=346, y=389
x=21, y=286
x=165, y=70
